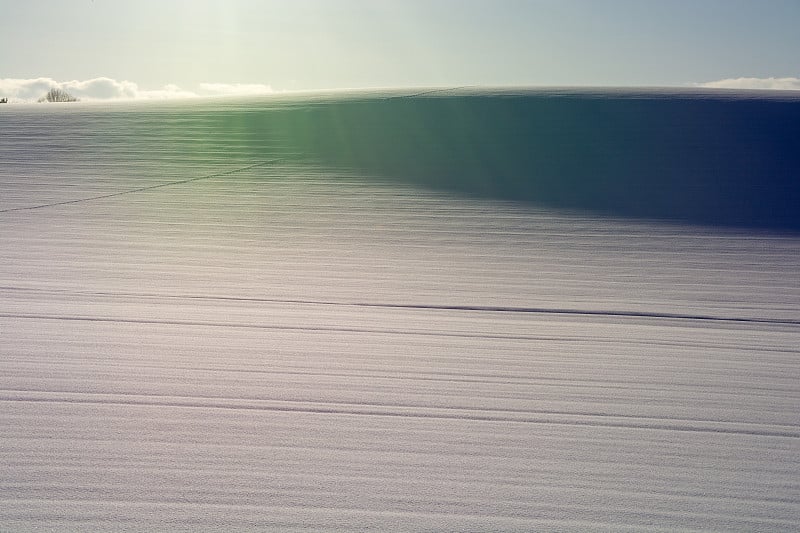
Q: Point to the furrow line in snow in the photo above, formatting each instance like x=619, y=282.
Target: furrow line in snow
x=250, y=325
x=139, y=189
x=428, y=307
x=399, y=411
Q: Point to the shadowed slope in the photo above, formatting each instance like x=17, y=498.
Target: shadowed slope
x=699, y=157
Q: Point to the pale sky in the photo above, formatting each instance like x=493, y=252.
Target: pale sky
x=170, y=45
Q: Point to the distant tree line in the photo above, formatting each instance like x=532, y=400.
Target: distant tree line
x=57, y=95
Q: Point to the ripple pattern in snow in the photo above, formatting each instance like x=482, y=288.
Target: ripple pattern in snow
x=194, y=339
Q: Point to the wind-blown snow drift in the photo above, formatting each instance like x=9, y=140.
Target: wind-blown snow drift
x=708, y=156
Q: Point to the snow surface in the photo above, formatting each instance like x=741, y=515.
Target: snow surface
x=194, y=339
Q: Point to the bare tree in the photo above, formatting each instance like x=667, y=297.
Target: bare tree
x=57, y=95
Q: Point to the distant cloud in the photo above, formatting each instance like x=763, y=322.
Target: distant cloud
x=30, y=90
x=784, y=84
x=104, y=89
x=25, y=90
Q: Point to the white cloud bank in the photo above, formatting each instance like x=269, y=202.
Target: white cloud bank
x=783, y=84
x=105, y=89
